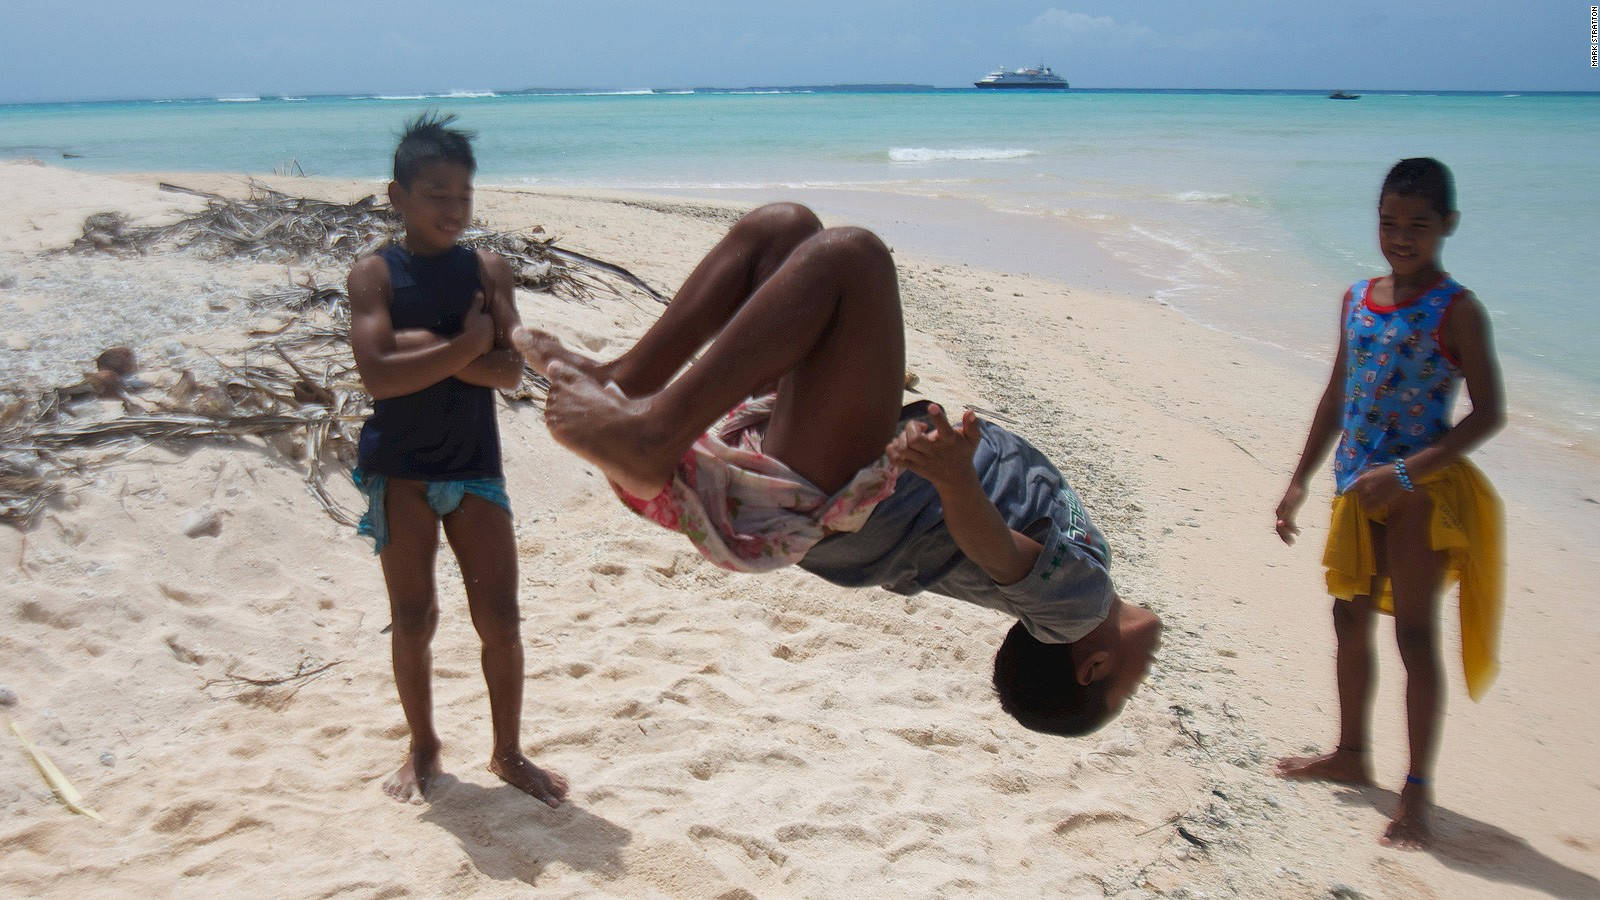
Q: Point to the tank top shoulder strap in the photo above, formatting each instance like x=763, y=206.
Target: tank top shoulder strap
x=1356, y=296
x=394, y=259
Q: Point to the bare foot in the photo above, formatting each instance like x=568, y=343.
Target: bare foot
x=1410, y=829
x=410, y=782
x=1343, y=766
x=539, y=348
x=520, y=772
x=608, y=429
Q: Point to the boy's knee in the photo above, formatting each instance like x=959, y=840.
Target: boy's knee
x=860, y=249
x=1418, y=643
x=498, y=624
x=786, y=223
x=420, y=615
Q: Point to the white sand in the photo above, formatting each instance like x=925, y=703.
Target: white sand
x=737, y=736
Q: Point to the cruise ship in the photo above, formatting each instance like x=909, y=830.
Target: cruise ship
x=1036, y=77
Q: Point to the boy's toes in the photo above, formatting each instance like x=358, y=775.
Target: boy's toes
x=560, y=373
x=522, y=340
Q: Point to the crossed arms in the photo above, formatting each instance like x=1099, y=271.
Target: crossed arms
x=394, y=363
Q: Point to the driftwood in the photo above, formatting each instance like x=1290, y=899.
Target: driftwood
x=297, y=388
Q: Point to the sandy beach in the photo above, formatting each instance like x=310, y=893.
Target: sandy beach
x=738, y=736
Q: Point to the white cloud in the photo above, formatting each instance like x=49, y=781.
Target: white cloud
x=1057, y=23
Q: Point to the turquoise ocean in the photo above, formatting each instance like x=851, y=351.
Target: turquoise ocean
x=1248, y=211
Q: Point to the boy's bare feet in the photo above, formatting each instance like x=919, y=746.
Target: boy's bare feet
x=409, y=783
x=539, y=348
x=1410, y=828
x=520, y=772
x=608, y=429
x=1343, y=766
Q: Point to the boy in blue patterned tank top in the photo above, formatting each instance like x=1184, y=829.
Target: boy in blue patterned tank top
x=1410, y=512
x=430, y=326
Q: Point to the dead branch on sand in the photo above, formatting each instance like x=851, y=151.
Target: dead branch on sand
x=297, y=388
x=303, y=673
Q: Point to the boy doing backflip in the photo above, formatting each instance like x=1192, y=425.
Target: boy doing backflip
x=785, y=442
x=430, y=325
x=1410, y=511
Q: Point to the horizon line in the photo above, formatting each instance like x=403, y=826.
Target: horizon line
x=858, y=87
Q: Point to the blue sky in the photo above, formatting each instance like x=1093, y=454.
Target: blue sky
x=96, y=49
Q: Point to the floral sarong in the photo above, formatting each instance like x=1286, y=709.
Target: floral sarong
x=747, y=511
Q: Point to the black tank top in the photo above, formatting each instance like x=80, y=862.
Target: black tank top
x=446, y=431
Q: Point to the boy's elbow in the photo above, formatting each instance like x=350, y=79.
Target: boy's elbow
x=508, y=375
x=1497, y=419
x=1487, y=420
x=379, y=386
x=379, y=390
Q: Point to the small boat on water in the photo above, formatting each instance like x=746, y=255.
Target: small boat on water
x=1341, y=95
x=1038, y=77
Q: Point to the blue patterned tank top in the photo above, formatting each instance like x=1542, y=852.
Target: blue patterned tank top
x=1400, y=382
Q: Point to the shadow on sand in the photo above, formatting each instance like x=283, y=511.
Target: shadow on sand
x=509, y=835
x=1485, y=851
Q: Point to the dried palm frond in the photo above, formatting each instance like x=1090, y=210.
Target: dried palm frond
x=297, y=380
x=271, y=226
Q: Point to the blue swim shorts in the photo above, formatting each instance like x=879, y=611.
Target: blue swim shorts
x=443, y=498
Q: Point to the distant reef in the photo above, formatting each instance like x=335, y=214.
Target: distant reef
x=836, y=88
x=751, y=89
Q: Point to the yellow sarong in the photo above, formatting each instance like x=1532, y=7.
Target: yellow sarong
x=1469, y=525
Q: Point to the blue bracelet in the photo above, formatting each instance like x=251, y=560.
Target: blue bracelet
x=1402, y=477
x=1417, y=780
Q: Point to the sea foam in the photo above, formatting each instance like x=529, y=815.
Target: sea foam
x=930, y=154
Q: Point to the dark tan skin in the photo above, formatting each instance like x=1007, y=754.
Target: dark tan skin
x=1411, y=234
x=1120, y=648
x=436, y=208
x=782, y=301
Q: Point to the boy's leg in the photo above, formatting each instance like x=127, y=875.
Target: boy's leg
x=1415, y=574
x=480, y=533
x=724, y=279
x=825, y=326
x=414, y=614
x=1349, y=762
x=754, y=248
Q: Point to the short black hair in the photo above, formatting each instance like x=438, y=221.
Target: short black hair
x=1425, y=177
x=1038, y=685
x=427, y=139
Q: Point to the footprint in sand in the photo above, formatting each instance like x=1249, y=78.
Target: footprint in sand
x=1009, y=783
x=705, y=768
x=182, y=595
x=805, y=831
x=700, y=692
x=633, y=709
x=181, y=816
x=182, y=653
x=1081, y=820
x=774, y=757
x=41, y=613
x=787, y=624
x=930, y=737
x=753, y=847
